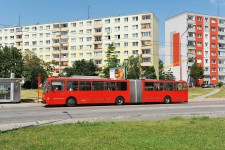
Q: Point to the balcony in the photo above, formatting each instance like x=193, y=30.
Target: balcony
x=190, y=64
x=191, y=55
x=191, y=38
x=55, y=44
x=145, y=37
x=97, y=33
x=191, y=47
x=97, y=41
x=222, y=48
x=19, y=33
x=19, y=40
x=191, y=21
x=221, y=41
x=146, y=55
x=222, y=25
x=97, y=57
x=146, y=64
x=146, y=21
x=221, y=73
x=221, y=33
x=221, y=65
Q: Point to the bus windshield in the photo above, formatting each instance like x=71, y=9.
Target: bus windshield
x=46, y=87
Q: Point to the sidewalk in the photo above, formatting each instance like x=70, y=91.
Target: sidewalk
x=203, y=97
x=18, y=105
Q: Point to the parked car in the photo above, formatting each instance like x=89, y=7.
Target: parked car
x=212, y=85
x=205, y=85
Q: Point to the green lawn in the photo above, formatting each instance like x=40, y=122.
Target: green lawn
x=198, y=91
x=220, y=94
x=177, y=133
x=28, y=95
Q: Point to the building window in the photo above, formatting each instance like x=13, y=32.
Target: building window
x=88, y=54
x=213, y=53
x=88, y=23
x=81, y=54
x=126, y=19
x=213, y=77
x=81, y=24
x=213, y=29
x=135, y=18
x=73, y=55
x=73, y=25
x=47, y=57
x=135, y=43
x=126, y=53
x=213, y=69
x=48, y=27
x=199, y=35
x=107, y=21
x=134, y=27
x=146, y=59
x=134, y=52
x=73, y=47
x=213, y=37
x=89, y=39
x=107, y=30
x=213, y=61
x=73, y=40
x=117, y=28
x=135, y=35
x=125, y=36
x=117, y=20
x=146, y=51
x=88, y=31
x=199, y=27
x=126, y=44
x=199, y=52
x=117, y=44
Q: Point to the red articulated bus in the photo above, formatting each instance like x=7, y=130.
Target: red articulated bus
x=75, y=91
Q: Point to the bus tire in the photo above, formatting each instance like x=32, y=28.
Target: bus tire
x=167, y=100
x=120, y=100
x=71, y=102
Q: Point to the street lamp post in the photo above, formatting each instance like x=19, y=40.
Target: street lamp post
x=180, y=49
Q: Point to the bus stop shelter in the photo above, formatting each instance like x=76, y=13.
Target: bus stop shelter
x=10, y=89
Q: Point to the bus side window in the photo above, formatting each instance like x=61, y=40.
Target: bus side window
x=159, y=86
x=72, y=85
x=184, y=86
x=149, y=86
x=122, y=86
x=110, y=86
x=57, y=85
x=85, y=86
x=169, y=86
x=97, y=86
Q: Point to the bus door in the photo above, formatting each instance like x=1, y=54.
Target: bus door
x=85, y=94
x=180, y=92
x=58, y=92
x=148, y=92
x=98, y=92
x=159, y=91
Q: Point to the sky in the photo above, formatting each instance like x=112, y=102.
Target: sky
x=47, y=11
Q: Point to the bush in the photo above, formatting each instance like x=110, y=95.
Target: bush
x=220, y=84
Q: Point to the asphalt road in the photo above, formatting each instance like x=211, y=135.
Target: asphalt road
x=27, y=115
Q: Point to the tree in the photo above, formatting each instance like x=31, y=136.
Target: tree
x=133, y=66
x=197, y=72
x=161, y=69
x=11, y=61
x=149, y=72
x=111, y=60
x=81, y=67
x=33, y=67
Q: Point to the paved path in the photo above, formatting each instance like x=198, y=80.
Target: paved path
x=204, y=97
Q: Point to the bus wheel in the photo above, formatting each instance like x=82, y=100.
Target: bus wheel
x=70, y=102
x=120, y=100
x=167, y=100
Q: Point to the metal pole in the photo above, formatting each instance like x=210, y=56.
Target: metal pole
x=60, y=48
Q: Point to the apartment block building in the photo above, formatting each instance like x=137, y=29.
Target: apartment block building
x=199, y=38
x=65, y=42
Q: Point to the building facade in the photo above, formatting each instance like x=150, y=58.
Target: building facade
x=65, y=42
x=192, y=37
